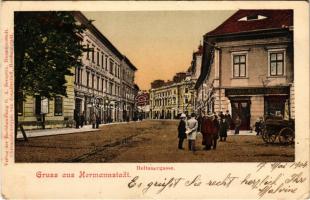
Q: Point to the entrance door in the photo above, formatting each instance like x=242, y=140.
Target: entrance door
x=78, y=104
x=241, y=108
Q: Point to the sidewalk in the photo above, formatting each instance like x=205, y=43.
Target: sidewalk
x=61, y=131
x=247, y=132
x=88, y=128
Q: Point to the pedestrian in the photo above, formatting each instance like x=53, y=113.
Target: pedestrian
x=258, y=126
x=223, y=128
x=93, y=119
x=182, y=130
x=199, y=119
x=207, y=131
x=216, y=128
x=192, y=125
x=77, y=119
x=237, y=125
x=82, y=119
x=228, y=120
x=97, y=120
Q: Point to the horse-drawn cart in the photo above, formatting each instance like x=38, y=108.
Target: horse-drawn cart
x=274, y=128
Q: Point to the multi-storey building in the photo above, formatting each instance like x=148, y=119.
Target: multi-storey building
x=194, y=73
x=247, y=66
x=128, y=89
x=36, y=112
x=168, y=99
x=104, y=84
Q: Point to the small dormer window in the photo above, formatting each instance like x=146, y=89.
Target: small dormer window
x=252, y=18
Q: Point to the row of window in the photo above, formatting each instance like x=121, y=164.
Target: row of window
x=165, y=102
x=96, y=82
x=102, y=60
x=58, y=106
x=276, y=64
x=165, y=94
x=106, y=63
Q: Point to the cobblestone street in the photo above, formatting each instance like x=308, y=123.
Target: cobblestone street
x=147, y=141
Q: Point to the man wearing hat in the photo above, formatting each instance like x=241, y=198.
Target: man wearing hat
x=207, y=131
x=182, y=130
x=192, y=125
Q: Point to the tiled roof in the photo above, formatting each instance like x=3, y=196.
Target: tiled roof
x=253, y=20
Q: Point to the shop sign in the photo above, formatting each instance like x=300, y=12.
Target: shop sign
x=44, y=105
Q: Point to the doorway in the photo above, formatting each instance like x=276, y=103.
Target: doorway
x=242, y=109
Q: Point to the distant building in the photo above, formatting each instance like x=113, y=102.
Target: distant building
x=171, y=98
x=157, y=83
x=247, y=66
x=180, y=76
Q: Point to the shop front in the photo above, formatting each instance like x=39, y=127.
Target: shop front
x=249, y=104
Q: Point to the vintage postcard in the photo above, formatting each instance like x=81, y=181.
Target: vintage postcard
x=155, y=100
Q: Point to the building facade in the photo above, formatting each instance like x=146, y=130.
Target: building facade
x=104, y=85
x=169, y=99
x=247, y=66
x=36, y=112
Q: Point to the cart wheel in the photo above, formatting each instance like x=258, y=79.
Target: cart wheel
x=271, y=138
x=286, y=136
x=265, y=135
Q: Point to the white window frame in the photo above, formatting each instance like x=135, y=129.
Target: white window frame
x=240, y=53
x=284, y=62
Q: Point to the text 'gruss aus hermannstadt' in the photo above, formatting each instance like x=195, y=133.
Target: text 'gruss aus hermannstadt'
x=83, y=175
x=276, y=180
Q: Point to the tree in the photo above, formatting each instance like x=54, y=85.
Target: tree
x=47, y=46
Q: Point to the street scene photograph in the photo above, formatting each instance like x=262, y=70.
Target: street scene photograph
x=156, y=86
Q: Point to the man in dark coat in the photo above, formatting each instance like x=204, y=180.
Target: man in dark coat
x=207, y=131
x=199, y=119
x=181, y=131
x=228, y=119
x=77, y=119
x=216, y=128
x=223, y=128
x=82, y=119
x=237, y=125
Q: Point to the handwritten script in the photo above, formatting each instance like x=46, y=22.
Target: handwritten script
x=275, y=180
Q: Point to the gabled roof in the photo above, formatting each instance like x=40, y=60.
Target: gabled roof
x=254, y=20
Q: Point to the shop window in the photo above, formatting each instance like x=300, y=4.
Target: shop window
x=58, y=106
x=275, y=106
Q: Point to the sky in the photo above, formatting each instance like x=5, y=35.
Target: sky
x=158, y=43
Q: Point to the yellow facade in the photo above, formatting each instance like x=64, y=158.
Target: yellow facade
x=30, y=120
x=168, y=101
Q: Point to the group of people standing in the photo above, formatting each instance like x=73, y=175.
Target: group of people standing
x=80, y=119
x=211, y=126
